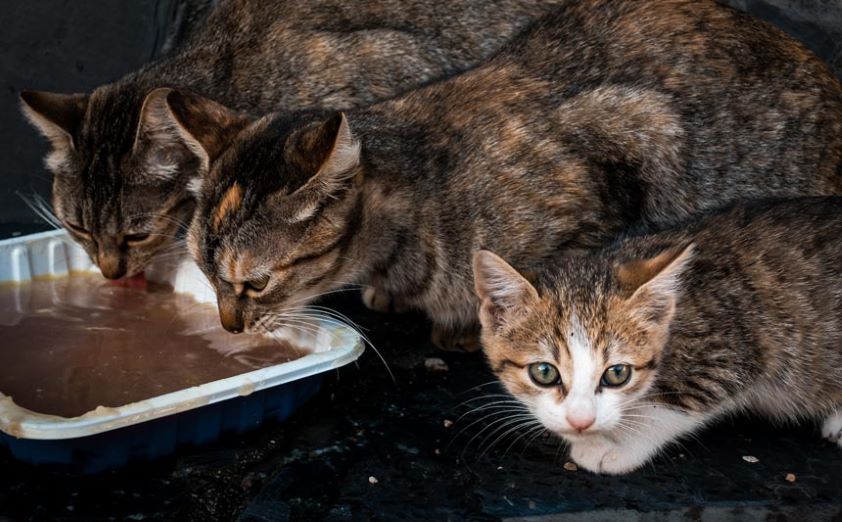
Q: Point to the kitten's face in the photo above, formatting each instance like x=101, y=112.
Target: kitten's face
x=120, y=173
x=275, y=218
x=581, y=353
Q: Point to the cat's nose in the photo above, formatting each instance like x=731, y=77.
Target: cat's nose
x=111, y=265
x=580, y=422
x=230, y=315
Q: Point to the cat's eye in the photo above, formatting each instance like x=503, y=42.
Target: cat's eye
x=616, y=375
x=544, y=374
x=135, y=238
x=78, y=229
x=258, y=284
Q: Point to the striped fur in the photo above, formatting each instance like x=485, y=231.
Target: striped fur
x=604, y=115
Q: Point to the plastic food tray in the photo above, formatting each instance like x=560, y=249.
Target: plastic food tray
x=112, y=437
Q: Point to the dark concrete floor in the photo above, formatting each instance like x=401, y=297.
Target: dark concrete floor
x=319, y=464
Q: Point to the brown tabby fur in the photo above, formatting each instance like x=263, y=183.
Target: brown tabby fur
x=741, y=310
x=603, y=115
x=122, y=189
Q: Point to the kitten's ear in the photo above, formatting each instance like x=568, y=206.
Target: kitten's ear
x=654, y=285
x=504, y=293
x=332, y=153
x=173, y=123
x=57, y=116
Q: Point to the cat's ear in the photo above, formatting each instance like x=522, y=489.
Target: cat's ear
x=654, y=285
x=57, y=116
x=332, y=153
x=503, y=292
x=175, y=126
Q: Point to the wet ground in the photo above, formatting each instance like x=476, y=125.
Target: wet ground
x=368, y=447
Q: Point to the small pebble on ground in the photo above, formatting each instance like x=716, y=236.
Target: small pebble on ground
x=751, y=459
x=435, y=365
x=790, y=477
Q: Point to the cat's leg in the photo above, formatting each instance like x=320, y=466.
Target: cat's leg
x=832, y=428
x=377, y=299
x=456, y=339
x=633, y=445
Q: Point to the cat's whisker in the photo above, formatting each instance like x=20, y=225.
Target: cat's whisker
x=486, y=416
x=531, y=422
x=493, y=426
x=485, y=397
x=339, y=319
x=491, y=407
x=537, y=432
x=40, y=207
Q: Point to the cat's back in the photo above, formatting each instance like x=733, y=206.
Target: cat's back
x=765, y=274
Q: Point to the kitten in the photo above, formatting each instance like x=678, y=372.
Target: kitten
x=624, y=350
x=604, y=115
x=120, y=173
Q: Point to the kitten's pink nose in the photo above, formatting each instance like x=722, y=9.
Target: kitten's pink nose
x=580, y=422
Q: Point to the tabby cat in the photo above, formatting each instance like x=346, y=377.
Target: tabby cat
x=602, y=115
x=120, y=183
x=624, y=350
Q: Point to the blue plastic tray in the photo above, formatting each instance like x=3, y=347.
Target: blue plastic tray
x=164, y=436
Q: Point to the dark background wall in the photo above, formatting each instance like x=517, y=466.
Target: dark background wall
x=75, y=45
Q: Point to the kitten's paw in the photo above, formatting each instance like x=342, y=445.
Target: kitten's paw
x=588, y=455
x=451, y=340
x=832, y=428
x=605, y=458
x=381, y=301
x=619, y=461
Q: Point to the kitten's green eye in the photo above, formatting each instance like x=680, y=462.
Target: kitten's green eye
x=616, y=375
x=258, y=284
x=544, y=374
x=135, y=238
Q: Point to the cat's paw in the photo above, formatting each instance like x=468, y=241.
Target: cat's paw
x=451, y=340
x=588, y=455
x=832, y=428
x=620, y=461
x=381, y=301
x=607, y=458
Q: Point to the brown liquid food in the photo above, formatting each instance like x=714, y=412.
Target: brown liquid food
x=69, y=345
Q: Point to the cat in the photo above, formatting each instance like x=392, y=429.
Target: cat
x=120, y=186
x=623, y=350
x=601, y=116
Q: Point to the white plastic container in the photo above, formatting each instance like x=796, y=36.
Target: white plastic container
x=242, y=401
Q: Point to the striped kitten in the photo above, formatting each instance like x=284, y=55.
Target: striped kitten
x=121, y=170
x=603, y=115
x=622, y=351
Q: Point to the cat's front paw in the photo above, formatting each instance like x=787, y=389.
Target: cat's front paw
x=588, y=455
x=619, y=462
x=605, y=457
x=832, y=428
x=381, y=301
x=452, y=340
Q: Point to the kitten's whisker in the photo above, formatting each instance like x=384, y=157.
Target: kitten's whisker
x=491, y=407
x=483, y=397
x=488, y=415
x=493, y=424
x=519, y=425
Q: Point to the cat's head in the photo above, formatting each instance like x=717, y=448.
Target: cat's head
x=121, y=165
x=582, y=347
x=275, y=218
